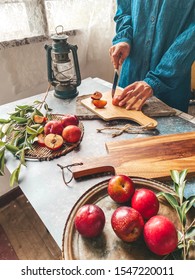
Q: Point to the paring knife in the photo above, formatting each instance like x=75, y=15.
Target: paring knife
x=115, y=82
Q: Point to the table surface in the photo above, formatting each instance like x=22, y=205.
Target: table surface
x=42, y=182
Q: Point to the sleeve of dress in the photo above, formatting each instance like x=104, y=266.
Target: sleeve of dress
x=175, y=63
x=122, y=19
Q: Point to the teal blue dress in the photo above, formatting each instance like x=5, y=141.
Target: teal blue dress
x=162, y=38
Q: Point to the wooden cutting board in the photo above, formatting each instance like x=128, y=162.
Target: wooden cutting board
x=111, y=112
x=151, y=157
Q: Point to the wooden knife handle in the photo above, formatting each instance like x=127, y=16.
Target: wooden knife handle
x=93, y=167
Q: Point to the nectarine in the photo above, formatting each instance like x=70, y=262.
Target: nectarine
x=71, y=133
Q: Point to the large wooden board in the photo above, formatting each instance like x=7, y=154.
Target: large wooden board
x=111, y=112
x=151, y=157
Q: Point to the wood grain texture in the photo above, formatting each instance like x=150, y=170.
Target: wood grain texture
x=151, y=157
x=111, y=112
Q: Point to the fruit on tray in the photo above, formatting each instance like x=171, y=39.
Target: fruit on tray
x=89, y=220
x=100, y=103
x=146, y=202
x=39, y=119
x=96, y=95
x=121, y=188
x=53, y=141
x=41, y=140
x=54, y=127
x=71, y=134
x=127, y=223
x=160, y=235
x=69, y=120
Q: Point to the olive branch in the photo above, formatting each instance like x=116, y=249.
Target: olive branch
x=182, y=207
x=18, y=133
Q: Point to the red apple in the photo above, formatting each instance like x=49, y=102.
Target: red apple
x=53, y=141
x=69, y=120
x=160, y=235
x=89, y=220
x=127, y=223
x=71, y=133
x=146, y=202
x=121, y=188
x=54, y=127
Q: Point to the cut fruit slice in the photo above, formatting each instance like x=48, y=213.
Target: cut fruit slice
x=53, y=141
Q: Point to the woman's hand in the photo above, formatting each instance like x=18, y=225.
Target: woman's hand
x=118, y=53
x=135, y=95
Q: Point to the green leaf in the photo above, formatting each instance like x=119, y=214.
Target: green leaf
x=182, y=176
x=2, y=144
x=30, y=130
x=179, y=212
x=2, y=161
x=35, y=126
x=22, y=157
x=19, y=120
x=189, y=244
x=40, y=130
x=2, y=121
x=170, y=198
x=175, y=176
x=15, y=175
x=37, y=112
x=37, y=102
x=191, y=201
x=183, y=212
x=5, y=128
x=12, y=148
x=190, y=233
x=23, y=107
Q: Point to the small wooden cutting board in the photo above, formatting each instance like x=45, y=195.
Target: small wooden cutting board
x=151, y=157
x=111, y=112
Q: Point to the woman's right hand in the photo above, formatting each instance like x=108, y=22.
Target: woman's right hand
x=118, y=53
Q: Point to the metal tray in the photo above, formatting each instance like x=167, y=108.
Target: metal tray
x=108, y=246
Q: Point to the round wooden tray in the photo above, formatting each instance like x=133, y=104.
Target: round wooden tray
x=43, y=153
x=108, y=246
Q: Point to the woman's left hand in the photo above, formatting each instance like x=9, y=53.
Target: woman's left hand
x=135, y=95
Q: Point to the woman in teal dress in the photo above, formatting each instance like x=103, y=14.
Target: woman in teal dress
x=155, y=44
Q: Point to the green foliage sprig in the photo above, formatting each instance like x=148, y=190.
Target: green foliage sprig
x=18, y=133
x=182, y=207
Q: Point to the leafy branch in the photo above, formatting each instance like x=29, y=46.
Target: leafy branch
x=19, y=131
x=182, y=207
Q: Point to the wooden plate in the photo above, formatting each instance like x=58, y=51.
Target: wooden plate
x=108, y=246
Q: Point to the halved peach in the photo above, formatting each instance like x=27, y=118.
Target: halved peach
x=53, y=141
x=96, y=95
x=100, y=103
x=41, y=140
x=39, y=119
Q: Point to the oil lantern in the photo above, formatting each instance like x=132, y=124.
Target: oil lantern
x=63, y=66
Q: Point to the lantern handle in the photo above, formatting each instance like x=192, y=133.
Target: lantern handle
x=62, y=29
x=49, y=64
x=76, y=63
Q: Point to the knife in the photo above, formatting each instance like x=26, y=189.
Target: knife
x=115, y=81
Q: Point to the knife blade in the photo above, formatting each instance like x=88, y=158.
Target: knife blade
x=115, y=81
